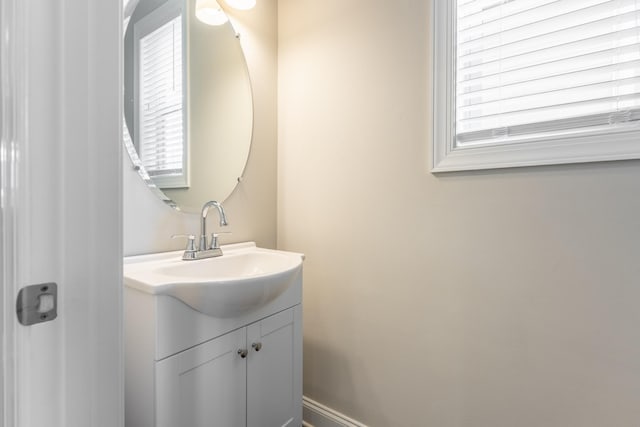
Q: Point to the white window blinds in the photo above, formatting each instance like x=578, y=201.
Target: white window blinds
x=161, y=138
x=533, y=68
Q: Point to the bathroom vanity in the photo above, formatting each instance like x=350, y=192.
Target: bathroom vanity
x=232, y=362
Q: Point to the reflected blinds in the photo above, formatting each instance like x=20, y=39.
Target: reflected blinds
x=531, y=68
x=161, y=117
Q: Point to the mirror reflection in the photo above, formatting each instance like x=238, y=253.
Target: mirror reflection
x=188, y=104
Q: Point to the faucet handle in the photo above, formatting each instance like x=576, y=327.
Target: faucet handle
x=191, y=241
x=214, y=239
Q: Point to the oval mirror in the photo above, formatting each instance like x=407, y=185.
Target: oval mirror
x=188, y=107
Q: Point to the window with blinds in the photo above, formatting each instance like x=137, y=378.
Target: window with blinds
x=160, y=119
x=548, y=71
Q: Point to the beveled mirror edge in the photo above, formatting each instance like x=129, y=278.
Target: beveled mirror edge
x=139, y=167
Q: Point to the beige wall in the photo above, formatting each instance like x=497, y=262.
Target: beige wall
x=251, y=208
x=488, y=299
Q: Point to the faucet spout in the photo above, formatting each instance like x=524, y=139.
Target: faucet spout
x=203, y=221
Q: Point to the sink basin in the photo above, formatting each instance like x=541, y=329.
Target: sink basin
x=243, y=279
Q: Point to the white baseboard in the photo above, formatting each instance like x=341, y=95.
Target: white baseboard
x=315, y=414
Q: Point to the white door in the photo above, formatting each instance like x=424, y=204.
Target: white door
x=274, y=371
x=61, y=221
x=204, y=386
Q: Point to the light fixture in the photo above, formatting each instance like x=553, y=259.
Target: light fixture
x=210, y=12
x=241, y=4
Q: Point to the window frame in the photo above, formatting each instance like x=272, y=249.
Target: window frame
x=594, y=146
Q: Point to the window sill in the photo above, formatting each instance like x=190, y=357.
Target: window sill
x=567, y=149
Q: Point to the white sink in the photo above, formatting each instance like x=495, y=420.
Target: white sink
x=243, y=279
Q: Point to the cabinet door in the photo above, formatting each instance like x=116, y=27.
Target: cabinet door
x=274, y=370
x=204, y=386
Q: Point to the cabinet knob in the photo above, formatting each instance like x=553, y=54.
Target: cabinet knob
x=256, y=346
x=243, y=353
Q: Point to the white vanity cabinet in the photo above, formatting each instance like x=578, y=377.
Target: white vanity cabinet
x=185, y=368
x=247, y=377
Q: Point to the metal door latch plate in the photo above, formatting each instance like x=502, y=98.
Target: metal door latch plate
x=37, y=303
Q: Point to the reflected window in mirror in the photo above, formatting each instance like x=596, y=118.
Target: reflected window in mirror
x=159, y=113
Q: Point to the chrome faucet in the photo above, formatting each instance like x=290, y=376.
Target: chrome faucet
x=205, y=249
x=203, y=226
